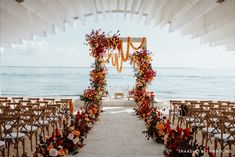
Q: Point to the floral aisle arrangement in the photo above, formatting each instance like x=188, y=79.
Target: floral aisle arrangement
x=59, y=143
x=75, y=128
x=144, y=99
x=179, y=143
x=99, y=44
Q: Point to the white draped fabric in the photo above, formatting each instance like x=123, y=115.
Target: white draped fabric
x=209, y=20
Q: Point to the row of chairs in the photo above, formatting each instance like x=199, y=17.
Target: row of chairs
x=20, y=118
x=211, y=119
x=179, y=107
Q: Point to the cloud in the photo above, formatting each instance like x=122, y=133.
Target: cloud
x=64, y=50
x=29, y=47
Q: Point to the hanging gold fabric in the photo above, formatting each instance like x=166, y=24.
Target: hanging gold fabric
x=118, y=59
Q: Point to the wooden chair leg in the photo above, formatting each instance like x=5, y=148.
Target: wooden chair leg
x=207, y=138
x=23, y=143
x=8, y=148
x=222, y=148
x=230, y=150
x=48, y=130
x=17, y=148
x=215, y=145
x=36, y=137
x=31, y=141
x=3, y=152
x=203, y=137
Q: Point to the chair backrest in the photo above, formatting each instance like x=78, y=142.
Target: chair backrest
x=17, y=99
x=13, y=105
x=3, y=109
x=4, y=102
x=206, y=101
x=26, y=119
x=227, y=127
x=224, y=102
x=9, y=124
x=39, y=114
x=34, y=100
x=3, y=98
x=50, y=101
x=229, y=114
x=199, y=116
x=24, y=102
x=214, y=121
x=49, y=111
x=42, y=103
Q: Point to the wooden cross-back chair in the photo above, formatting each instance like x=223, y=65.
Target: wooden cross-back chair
x=198, y=121
x=174, y=109
x=226, y=137
x=40, y=122
x=53, y=117
x=49, y=118
x=28, y=128
x=212, y=127
x=11, y=133
x=184, y=112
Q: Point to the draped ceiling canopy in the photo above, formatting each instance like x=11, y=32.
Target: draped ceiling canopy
x=213, y=21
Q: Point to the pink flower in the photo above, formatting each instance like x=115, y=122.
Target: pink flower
x=70, y=136
x=76, y=140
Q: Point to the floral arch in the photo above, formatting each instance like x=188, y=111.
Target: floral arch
x=100, y=47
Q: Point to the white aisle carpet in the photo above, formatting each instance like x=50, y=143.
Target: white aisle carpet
x=119, y=134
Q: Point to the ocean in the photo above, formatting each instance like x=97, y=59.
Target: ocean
x=170, y=83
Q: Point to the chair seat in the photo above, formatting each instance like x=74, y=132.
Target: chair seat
x=52, y=119
x=8, y=126
x=226, y=137
x=40, y=122
x=2, y=143
x=200, y=125
x=27, y=128
x=211, y=130
x=214, y=119
x=14, y=135
x=229, y=125
x=191, y=119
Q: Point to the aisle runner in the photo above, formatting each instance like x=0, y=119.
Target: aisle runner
x=119, y=134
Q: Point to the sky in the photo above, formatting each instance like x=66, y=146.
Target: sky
x=67, y=49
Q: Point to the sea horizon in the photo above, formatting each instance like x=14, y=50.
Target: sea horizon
x=158, y=67
x=170, y=83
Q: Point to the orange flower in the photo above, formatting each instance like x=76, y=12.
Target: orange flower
x=61, y=152
x=160, y=126
x=76, y=133
x=94, y=110
x=49, y=147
